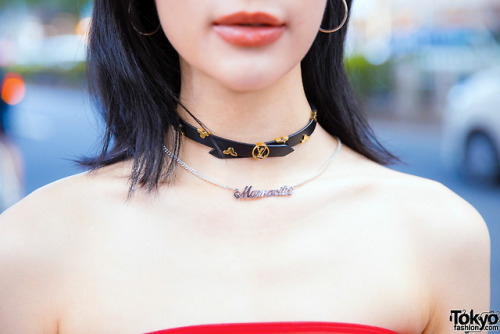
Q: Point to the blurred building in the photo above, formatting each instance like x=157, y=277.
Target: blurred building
x=430, y=45
x=41, y=37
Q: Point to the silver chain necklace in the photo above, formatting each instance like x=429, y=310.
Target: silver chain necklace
x=248, y=192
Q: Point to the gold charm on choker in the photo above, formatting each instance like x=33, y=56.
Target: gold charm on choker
x=230, y=151
x=260, y=151
x=203, y=134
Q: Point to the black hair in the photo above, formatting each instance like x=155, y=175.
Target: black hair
x=135, y=82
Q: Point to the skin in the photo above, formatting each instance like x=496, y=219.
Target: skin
x=361, y=244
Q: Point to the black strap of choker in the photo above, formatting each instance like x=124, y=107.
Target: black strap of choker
x=230, y=149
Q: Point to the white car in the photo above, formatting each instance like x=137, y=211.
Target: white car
x=471, y=127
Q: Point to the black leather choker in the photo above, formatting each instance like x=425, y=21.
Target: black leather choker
x=230, y=149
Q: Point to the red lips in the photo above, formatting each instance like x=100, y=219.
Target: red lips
x=249, y=29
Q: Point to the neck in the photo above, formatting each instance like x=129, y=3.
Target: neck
x=250, y=116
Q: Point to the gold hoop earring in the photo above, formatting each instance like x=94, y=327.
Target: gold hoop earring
x=343, y=21
x=135, y=28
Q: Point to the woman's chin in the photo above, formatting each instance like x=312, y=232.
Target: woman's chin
x=244, y=81
x=248, y=85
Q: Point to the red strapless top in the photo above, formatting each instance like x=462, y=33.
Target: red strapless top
x=293, y=327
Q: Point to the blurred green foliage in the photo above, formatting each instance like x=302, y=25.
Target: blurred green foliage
x=369, y=80
x=73, y=76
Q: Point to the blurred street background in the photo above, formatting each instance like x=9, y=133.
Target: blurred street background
x=426, y=72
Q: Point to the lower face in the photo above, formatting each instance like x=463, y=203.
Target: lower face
x=243, y=45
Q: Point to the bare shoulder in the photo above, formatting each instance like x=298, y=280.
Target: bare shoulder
x=431, y=209
x=64, y=206
x=449, y=236
x=66, y=200
x=434, y=213
x=426, y=205
x=37, y=244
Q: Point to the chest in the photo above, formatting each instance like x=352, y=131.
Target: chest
x=134, y=276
